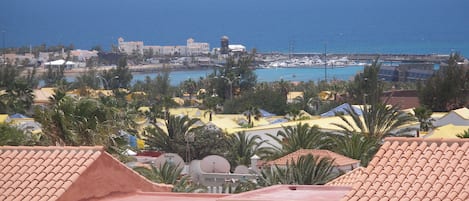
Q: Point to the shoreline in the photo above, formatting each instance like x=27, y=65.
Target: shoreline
x=357, y=59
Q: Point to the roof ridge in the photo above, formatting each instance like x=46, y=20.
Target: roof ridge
x=94, y=148
x=428, y=140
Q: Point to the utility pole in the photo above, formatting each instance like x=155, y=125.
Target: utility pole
x=325, y=62
x=3, y=50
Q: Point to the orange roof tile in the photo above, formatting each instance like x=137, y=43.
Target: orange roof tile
x=426, y=169
x=339, y=160
x=60, y=173
x=348, y=179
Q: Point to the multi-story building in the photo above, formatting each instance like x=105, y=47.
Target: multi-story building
x=196, y=48
x=83, y=55
x=190, y=49
x=406, y=72
x=130, y=47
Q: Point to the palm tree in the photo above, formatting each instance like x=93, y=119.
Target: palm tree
x=83, y=121
x=356, y=146
x=172, y=141
x=169, y=173
x=210, y=103
x=295, y=114
x=307, y=170
x=190, y=86
x=379, y=120
x=465, y=134
x=302, y=136
x=252, y=112
x=20, y=97
x=56, y=120
x=242, y=148
x=12, y=136
x=423, y=114
x=360, y=137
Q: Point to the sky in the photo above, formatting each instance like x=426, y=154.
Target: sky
x=265, y=24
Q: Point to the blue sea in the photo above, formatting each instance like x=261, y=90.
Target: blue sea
x=359, y=26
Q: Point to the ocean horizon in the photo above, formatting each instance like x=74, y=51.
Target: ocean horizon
x=361, y=26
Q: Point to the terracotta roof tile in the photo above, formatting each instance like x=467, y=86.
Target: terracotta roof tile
x=348, y=179
x=29, y=173
x=339, y=160
x=426, y=169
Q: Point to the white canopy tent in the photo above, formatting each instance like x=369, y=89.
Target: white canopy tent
x=60, y=62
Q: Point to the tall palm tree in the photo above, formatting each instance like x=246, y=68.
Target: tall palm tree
x=20, y=97
x=301, y=136
x=242, y=148
x=423, y=114
x=307, y=170
x=252, y=112
x=210, y=103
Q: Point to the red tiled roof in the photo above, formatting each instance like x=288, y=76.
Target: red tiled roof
x=347, y=179
x=168, y=196
x=63, y=173
x=416, y=169
x=339, y=160
x=291, y=193
x=405, y=99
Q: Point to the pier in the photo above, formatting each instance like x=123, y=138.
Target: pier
x=365, y=57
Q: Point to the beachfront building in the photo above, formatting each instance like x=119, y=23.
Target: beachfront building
x=191, y=48
x=407, y=72
x=129, y=47
x=197, y=48
x=83, y=55
x=18, y=59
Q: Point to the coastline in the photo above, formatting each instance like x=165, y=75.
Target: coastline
x=355, y=59
x=136, y=69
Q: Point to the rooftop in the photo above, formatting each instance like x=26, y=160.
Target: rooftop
x=291, y=193
x=147, y=196
x=347, y=179
x=65, y=173
x=416, y=169
x=339, y=160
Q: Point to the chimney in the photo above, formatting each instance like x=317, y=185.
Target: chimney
x=254, y=160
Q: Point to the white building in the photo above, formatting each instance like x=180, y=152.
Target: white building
x=237, y=48
x=130, y=46
x=191, y=48
x=195, y=48
x=83, y=55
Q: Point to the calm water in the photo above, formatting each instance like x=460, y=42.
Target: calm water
x=398, y=26
x=269, y=74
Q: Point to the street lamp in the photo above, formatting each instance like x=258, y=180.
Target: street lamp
x=105, y=82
